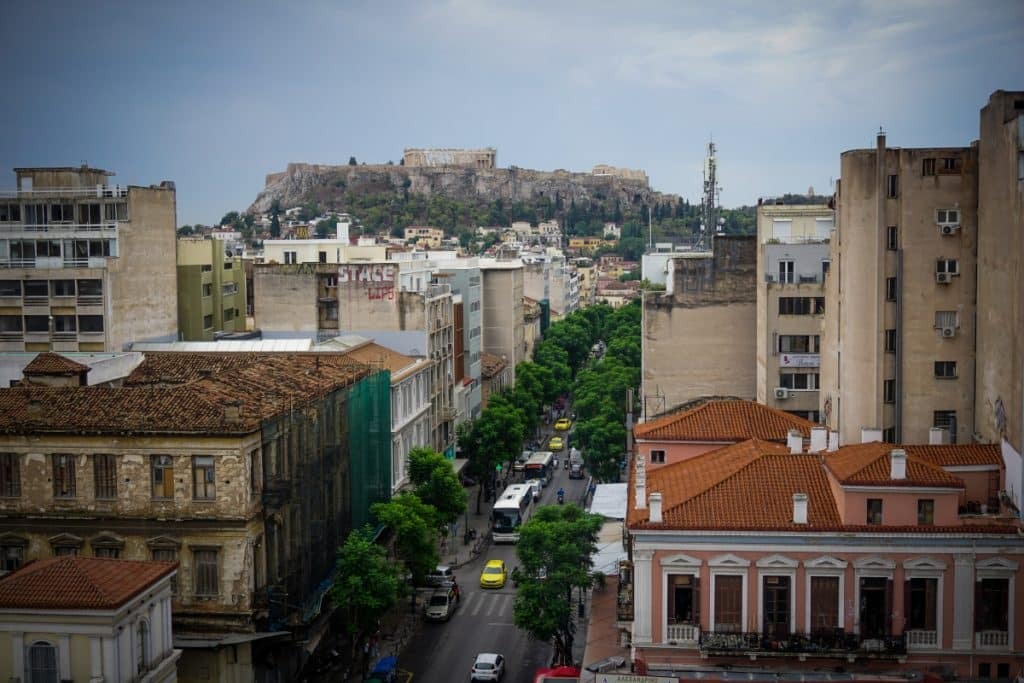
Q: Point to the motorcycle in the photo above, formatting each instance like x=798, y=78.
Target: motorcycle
x=561, y=497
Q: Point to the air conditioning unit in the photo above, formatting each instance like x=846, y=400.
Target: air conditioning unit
x=949, y=229
x=943, y=278
x=948, y=332
x=781, y=392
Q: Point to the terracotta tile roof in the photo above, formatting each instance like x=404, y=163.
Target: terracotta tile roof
x=730, y=420
x=869, y=464
x=375, y=355
x=48, y=363
x=182, y=393
x=72, y=582
x=749, y=485
x=491, y=365
x=955, y=455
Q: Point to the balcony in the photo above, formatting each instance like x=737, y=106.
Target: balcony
x=921, y=640
x=834, y=643
x=682, y=634
x=991, y=640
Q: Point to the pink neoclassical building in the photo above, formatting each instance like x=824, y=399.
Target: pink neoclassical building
x=782, y=559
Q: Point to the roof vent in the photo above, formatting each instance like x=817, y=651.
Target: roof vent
x=898, y=460
x=800, y=508
x=819, y=439
x=656, y=508
x=869, y=434
x=795, y=441
x=937, y=436
x=233, y=411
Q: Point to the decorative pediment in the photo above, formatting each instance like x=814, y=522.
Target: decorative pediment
x=777, y=562
x=728, y=560
x=9, y=538
x=162, y=542
x=681, y=560
x=997, y=564
x=108, y=539
x=874, y=563
x=826, y=562
x=924, y=564
x=66, y=539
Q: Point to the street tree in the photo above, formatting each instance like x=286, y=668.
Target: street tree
x=366, y=585
x=414, y=525
x=554, y=552
x=501, y=430
x=551, y=355
x=480, y=463
x=436, y=484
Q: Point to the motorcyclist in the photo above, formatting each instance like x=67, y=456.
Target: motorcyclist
x=561, y=495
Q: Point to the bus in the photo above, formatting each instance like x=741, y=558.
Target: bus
x=512, y=509
x=539, y=467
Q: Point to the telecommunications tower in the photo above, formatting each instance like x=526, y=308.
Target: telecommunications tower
x=711, y=221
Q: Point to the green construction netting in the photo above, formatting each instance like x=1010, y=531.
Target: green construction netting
x=369, y=444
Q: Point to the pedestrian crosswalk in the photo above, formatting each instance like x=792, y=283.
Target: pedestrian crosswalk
x=493, y=605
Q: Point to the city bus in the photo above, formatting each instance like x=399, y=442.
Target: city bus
x=539, y=466
x=512, y=509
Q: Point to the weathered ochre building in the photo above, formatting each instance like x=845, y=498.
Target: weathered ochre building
x=211, y=290
x=248, y=469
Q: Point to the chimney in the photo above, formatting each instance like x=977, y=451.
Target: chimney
x=232, y=411
x=641, y=483
x=869, y=434
x=795, y=441
x=937, y=436
x=656, y=508
x=799, y=508
x=819, y=439
x=898, y=458
x=34, y=407
x=833, y=442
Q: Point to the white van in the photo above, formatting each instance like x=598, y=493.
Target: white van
x=535, y=484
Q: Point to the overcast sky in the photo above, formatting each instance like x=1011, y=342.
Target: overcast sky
x=214, y=95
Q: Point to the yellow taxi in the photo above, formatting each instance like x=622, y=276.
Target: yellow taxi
x=555, y=444
x=563, y=424
x=494, y=574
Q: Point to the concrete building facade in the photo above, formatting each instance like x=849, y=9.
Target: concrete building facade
x=211, y=290
x=503, y=331
x=705, y=321
x=465, y=279
x=899, y=346
x=88, y=266
x=792, y=262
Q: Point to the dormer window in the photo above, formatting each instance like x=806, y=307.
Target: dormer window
x=925, y=512
x=874, y=511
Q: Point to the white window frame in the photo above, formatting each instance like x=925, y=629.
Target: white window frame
x=676, y=565
x=927, y=568
x=787, y=271
x=999, y=568
x=776, y=565
x=869, y=567
x=942, y=217
x=728, y=565
x=826, y=565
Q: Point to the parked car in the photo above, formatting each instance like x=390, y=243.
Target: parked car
x=442, y=574
x=494, y=574
x=563, y=424
x=441, y=603
x=487, y=667
x=535, y=484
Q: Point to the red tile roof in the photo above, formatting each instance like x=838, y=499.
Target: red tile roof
x=72, y=582
x=869, y=464
x=730, y=420
x=375, y=355
x=491, y=365
x=955, y=455
x=182, y=393
x=48, y=363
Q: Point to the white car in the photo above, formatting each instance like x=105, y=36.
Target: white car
x=487, y=667
x=535, y=484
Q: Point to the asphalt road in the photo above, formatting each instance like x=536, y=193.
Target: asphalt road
x=444, y=652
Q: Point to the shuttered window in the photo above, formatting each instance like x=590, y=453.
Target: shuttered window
x=824, y=602
x=204, y=566
x=728, y=603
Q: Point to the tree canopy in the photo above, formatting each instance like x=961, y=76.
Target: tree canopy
x=366, y=585
x=414, y=525
x=436, y=484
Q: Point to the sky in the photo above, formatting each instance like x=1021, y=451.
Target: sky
x=215, y=95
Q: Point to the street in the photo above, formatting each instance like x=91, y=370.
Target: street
x=444, y=652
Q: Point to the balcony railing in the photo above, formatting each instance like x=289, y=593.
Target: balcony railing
x=98, y=191
x=683, y=633
x=991, y=639
x=835, y=643
x=918, y=639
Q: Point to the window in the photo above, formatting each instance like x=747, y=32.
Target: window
x=824, y=603
x=37, y=323
x=229, y=288
x=945, y=369
x=889, y=435
x=991, y=604
x=1003, y=670
x=889, y=391
x=890, y=341
x=11, y=324
x=62, y=287
x=799, y=343
x=206, y=268
x=874, y=510
x=801, y=305
x=786, y=272
x=728, y=604
x=826, y=265
x=947, y=216
x=892, y=186
x=35, y=214
x=116, y=211
x=892, y=238
x=928, y=166
x=42, y=663
x=951, y=266
x=229, y=314
x=945, y=319
x=163, y=476
x=920, y=596
x=10, y=213
x=204, y=567
x=228, y=265
x=890, y=289
x=658, y=457
x=63, y=476
x=208, y=321
x=90, y=288
x=203, y=478
x=142, y=664
x=290, y=257
x=925, y=512
x=684, y=599
x=10, y=287
x=800, y=381
x=12, y=555
x=775, y=592
x=322, y=256
x=985, y=670
x=947, y=419
x=207, y=289
x=105, y=475
x=166, y=553
x=62, y=213
x=89, y=214
x=10, y=475
x=951, y=165
x=90, y=323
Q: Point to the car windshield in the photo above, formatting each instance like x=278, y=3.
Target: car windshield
x=438, y=600
x=491, y=570
x=483, y=666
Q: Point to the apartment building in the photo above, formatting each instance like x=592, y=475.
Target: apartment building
x=424, y=236
x=466, y=281
x=503, y=333
x=792, y=261
x=899, y=338
x=239, y=466
x=211, y=290
x=87, y=266
x=705, y=321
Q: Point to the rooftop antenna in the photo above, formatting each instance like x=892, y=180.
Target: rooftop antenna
x=650, y=230
x=710, y=208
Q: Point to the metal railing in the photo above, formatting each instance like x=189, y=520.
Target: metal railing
x=834, y=643
x=99, y=191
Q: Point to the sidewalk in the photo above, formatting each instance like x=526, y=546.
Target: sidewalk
x=454, y=551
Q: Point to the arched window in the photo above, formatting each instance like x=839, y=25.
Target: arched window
x=144, y=647
x=42, y=663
